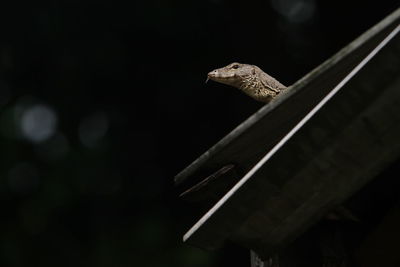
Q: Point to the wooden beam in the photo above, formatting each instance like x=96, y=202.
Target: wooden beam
x=246, y=144
x=340, y=148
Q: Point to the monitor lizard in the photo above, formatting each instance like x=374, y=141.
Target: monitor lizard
x=257, y=84
x=248, y=78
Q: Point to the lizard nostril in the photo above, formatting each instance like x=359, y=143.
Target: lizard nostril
x=212, y=73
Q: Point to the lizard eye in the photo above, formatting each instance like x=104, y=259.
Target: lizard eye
x=236, y=66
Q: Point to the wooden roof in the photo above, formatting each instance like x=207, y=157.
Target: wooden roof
x=306, y=152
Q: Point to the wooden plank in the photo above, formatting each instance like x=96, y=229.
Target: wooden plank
x=212, y=188
x=246, y=144
x=340, y=149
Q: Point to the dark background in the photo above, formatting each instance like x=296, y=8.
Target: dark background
x=103, y=102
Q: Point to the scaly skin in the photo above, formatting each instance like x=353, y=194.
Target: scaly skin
x=250, y=79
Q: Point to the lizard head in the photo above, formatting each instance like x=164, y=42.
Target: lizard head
x=234, y=74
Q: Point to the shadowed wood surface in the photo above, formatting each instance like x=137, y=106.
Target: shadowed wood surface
x=340, y=149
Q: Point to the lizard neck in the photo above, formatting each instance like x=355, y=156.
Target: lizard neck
x=252, y=86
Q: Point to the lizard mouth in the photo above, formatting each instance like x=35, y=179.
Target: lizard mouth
x=218, y=77
x=211, y=76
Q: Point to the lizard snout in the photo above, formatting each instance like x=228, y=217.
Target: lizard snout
x=212, y=74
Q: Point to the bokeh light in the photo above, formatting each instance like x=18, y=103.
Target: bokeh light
x=295, y=11
x=93, y=128
x=38, y=123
